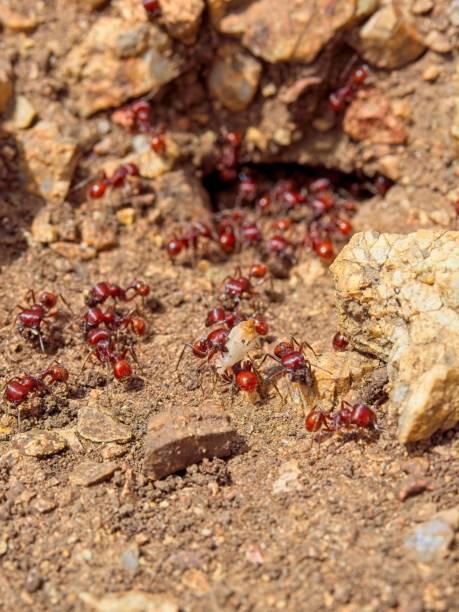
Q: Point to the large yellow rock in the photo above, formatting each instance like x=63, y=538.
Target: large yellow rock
x=398, y=298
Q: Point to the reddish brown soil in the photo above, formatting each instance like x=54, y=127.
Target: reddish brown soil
x=216, y=537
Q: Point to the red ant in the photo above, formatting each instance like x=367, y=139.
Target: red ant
x=19, y=388
x=343, y=96
x=190, y=238
x=239, y=285
x=250, y=233
x=152, y=7
x=98, y=187
x=290, y=355
x=94, y=317
x=158, y=142
x=213, y=343
x=247, y=188
x=31, y=318
x=219, y=315
x=242, y=377
x=104, y=350
x=339, y=342
x=229, y=156
x=348, y=417
x=323, y=247
x=102, y=291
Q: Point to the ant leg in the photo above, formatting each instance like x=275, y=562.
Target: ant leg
x=86, y=360
x=282, y=398
x=265, y=357
x=314, y=365
x=187, y=344
x=19, y=418
x=136, y=359
x=302, y=345
x=67, y=305
x=31, y=294
x=40, y=340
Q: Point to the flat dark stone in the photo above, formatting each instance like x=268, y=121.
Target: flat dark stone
x=179, y=437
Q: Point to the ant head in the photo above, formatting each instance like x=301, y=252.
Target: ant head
x=98, y=294
x=217, y=338
x=258, y=270
x=315, y=420
x=282, y=348
x=363, y=415
x=200, y=348
x=142, y=288
x=174, y=247
x=59, y=372
x=138, y=326
x=47, y=299
x=261, y=326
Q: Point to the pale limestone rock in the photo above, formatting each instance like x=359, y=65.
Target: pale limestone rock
x=97, y=426
x=388, y=39
x=24, y=113
x=36, y=443
x=336, y=375
x=151, y=165
x=438, y=42
x=50, y=159
x=234, y=77
x=116, y=61
x=288, y=479
x=398, y=298
x=42, y=229
x=182, y=18
x=283, y=31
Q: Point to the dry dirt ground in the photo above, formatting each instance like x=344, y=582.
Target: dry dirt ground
x=218, y=536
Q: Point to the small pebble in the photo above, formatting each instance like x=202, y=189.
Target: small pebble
x=33, y=581
x=130, y=559
x=429, y=540
x=438, y=42
x=431, y=73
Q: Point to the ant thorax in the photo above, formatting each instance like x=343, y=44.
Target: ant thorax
x=241, y=340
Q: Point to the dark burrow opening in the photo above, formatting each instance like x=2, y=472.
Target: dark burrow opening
x=249, y=182
x=277, y=210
